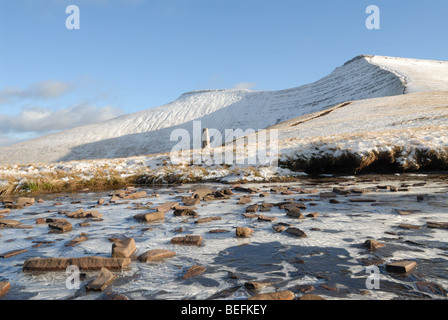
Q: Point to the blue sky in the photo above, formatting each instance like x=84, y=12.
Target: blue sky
x=130, y=55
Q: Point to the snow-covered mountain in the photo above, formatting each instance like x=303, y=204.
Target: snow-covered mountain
x=148, y=131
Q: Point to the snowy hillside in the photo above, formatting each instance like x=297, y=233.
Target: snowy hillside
x=148, y=131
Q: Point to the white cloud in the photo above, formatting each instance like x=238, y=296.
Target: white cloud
x=43, y=120
x=40, y=90
x=245, y=85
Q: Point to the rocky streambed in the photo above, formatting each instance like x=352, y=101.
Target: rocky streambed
x=316, y=238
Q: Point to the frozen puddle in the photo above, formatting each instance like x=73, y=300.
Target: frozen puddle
x=330, y=258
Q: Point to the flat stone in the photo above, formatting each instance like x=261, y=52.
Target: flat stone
x=156, y=255
x=135, y=195
x=206, y=220
x=193, y=272
x=280, y=295
x=401, y=266
x=311, y=297
x=5, y=211
x=104, y=279
x=191, y=240
x=61, y=225
x=77, y=240
x=219, y=231
x=83, y=263
x=266, y=218
x=123, y=248
x=76, y=214
x=404, y=212
x=7, y=223
x=409, y=226
x=5, y=286
x=150, y=217
x=243, y=232
x=12, y=253
x=167, y=206
x=437, y=225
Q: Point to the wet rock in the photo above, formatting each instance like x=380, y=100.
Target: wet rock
x=304, y=288
x=191, y=201
x=437, y=225
x=409, y=226
x=279, y=189
x=401, y=266
x=329, y=288
x=372, y=244
x=167, y=206
x=40, y=221
x=248, y=190
x=5, y=286
x=311, y=297
x=202, y=192
x=296, y=232
x=100, y=201
x=206, y=220
x=250, y=215
x=185, y=212
x=193, y=272
x=295, y=214
x=404, y=212
x=292, y=206
x=371, y=261
x=266, y=218
x=219, y=231
x=361, y=200
x=77, y=240
x=61, y=225
x=341, y=190
x=244, y=232
x=12, y=253
x=334, y=201
x=252, y=208
x=150, y=216
x=257, y=285
x=431, y=287
x=313, y=215
x=123, y=248
x=104, y=279
x=280, y=295
x=5, y=211
x=83, y=263
x=190, y=240
x=279, y=228
x=420, y=198
x=7, y=223
x=245, y=200
x=113, y=296
x=328, y=195
x=84, y=224
x=155, y=255
x=135, y=195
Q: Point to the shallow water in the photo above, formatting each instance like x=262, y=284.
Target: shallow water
x=329, y=258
